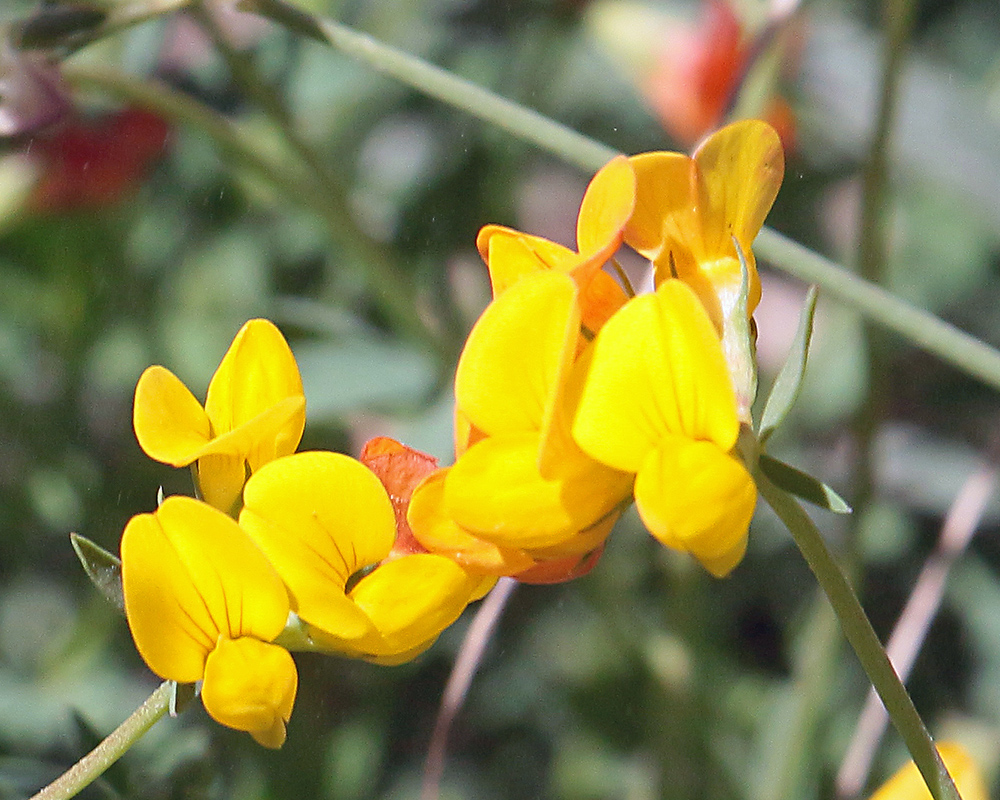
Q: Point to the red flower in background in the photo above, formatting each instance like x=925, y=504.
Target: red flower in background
x=698, y=75
x=93, y=164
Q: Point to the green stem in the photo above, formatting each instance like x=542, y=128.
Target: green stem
x=873, y=244
x=859, y=633
x=920, y=327
x=91, y=766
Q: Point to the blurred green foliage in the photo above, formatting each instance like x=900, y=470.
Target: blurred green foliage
x=645, y=679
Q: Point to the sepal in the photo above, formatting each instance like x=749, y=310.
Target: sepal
x=789, y=381
x=803, y=486
x=103, y=568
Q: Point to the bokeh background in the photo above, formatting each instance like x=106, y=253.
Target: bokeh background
x=129, y=237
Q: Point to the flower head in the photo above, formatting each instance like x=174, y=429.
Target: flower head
x=523, y=492
x=203, y=603
x=327, y=525
x=657, y=401
x=254, y=413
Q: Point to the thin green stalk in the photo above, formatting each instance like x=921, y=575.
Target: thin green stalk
x=873, y=242
x=92, y=766
x=923, y=329
x=390, y=289
x=859, y=633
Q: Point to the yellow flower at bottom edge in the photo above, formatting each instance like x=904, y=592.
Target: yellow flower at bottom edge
x=327, y=525
x=657, y=401
x=908, y=783
x=203, y=603
x=254, y=413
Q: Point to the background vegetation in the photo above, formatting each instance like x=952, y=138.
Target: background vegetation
x=645, y=679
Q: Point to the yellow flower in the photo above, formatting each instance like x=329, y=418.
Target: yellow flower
x=604, y=212
x=254, y=413
x=657, y=401
x=327, y=525
x=689, y=210
x=523, y=492
x=908, y=784
x=203, y=603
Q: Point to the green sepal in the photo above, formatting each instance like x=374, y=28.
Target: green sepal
x=181, y=695
x=789, y=381
x=803, y=486
x=103, y=568
x=738, y=339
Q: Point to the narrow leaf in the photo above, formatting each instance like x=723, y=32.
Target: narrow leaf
x=803, y=486
x=789, y=381
x=103, y=568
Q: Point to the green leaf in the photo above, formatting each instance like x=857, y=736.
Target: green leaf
x=803, y=486
x=103, y=568
x=789, y=381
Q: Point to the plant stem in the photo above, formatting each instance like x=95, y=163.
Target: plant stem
x=920, y=327
x=92, y=765
x=873, y=247
x=859, y=633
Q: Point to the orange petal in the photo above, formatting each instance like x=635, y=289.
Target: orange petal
x=606, y=208
x=740, y=167
x=664, y=204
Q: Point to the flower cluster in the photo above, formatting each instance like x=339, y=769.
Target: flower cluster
x=574, y=398
x=298, y=548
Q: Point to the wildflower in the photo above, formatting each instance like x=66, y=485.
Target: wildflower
x=254, y=413
x=523, y=492
x=908, y=783
x=327, y=525
x=204, y=604
x=657, y=401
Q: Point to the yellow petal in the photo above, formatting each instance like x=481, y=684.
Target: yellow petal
x=696, y=498
x=740, y=168
x=320, y=517
x=496, y=491
x=439, y=533
x=664, y=203
x=190, y=575
x=257, y=372
x=220, y=479
x=511, y=255
x=169, y=422
x=250, y=686
x=412, y=599
x=908, y=784
x=516, y=354
x=606, y=207
x=656, y=369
